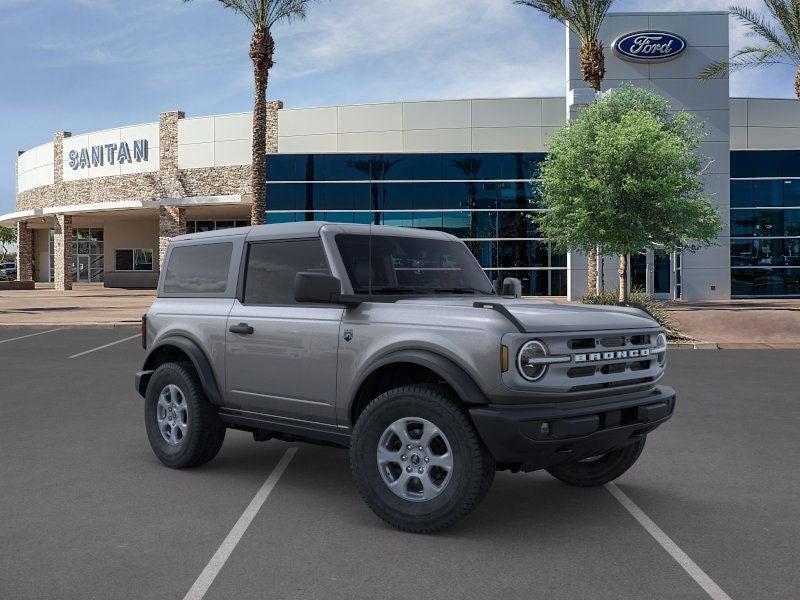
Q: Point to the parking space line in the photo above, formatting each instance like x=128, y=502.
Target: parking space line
x=206, y=578
x=22, y=337
x=688, y=565
x=104, y=346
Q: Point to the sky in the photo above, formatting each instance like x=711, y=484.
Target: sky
x=86, y=65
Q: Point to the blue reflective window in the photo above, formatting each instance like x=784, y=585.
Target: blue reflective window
x=281, y=167
x=393, y=196
x=397, y=219
x=458, y=224
x=273, y=217
x=765, y=282
x=426, y=166
x=768, y=163
x=791, y=192
x=428, y=220
x=741, y=194
x=765, y=252
x=455, y=195
x=340, y=196
x=282, y=196
x=768, y=193
x=426, y=195
x=742, y=163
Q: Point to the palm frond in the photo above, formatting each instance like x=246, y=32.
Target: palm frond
x=759, y=26
x=583, y=17
x=744, y=58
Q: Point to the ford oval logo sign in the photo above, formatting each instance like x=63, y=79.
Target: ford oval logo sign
x=649, y=46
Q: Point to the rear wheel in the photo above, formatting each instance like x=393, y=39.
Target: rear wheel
x=600, y=469
x=417, y=460
x=182, y=425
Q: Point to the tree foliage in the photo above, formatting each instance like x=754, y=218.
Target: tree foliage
x=778, y=40
x=626, y=175
x=8, y=236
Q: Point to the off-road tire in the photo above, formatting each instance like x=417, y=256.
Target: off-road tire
x=602, y=470
x=206, y=432
x=473, y=467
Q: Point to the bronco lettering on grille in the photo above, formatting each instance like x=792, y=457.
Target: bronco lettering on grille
x=616, y=355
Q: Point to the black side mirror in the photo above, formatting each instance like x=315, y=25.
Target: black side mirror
x=512, y=287
x=320, y=288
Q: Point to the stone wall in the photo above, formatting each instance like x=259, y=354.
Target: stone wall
x=24, y=252
x=62, y=250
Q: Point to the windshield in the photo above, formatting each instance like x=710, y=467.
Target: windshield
x=410, y=265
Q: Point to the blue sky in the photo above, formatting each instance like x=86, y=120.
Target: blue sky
x=84, y=65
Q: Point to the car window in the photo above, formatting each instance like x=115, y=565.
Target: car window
x=198, y=269
x=272, y=266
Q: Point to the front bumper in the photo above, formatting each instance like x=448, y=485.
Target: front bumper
x=535, y=437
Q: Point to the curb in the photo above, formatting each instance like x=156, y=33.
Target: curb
x=694, y=345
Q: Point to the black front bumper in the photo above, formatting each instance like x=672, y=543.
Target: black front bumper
x=535, y=437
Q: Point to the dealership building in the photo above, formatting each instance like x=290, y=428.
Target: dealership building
x=102, y=206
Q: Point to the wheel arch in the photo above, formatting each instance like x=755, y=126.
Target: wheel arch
x=408, y=366
x=180, y=348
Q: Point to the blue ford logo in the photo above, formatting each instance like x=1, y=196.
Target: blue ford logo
x=649, y=46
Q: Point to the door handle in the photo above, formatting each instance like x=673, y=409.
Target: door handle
x=241, y=328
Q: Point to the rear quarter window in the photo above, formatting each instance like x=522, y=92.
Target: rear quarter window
x=198, y=269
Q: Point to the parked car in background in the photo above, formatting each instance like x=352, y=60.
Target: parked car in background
x=8, y=271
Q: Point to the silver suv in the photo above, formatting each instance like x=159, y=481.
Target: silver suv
x=393, y=343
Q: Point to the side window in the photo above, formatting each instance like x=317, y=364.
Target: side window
x=198, y=269
x=272, y=266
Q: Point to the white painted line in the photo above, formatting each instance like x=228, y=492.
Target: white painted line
x=104, y=346
x=214, y=566
x=22, y=337
x=694, y=571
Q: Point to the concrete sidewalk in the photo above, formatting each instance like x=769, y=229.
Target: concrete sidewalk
x=87, y=305
x=741, y=323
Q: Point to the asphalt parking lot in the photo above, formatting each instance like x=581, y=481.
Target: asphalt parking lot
x=86, y=510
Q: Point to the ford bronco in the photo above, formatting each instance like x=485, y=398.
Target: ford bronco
x=393, y=343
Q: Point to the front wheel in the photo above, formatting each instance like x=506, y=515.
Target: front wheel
x=599, y=470
x=418, y=461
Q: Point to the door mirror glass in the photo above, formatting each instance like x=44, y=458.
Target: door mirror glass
x=320, y=288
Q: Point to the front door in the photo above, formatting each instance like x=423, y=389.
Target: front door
x=281, y=356
x=83, y=268
x=662, y=271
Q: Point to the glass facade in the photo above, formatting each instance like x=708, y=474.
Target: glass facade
x=765, y=223
x=485, y=199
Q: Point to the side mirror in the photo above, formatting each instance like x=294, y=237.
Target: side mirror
x=512, y=287
x=320, y=288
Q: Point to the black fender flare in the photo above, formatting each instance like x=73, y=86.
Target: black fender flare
x=462, y=383
x=200, y=362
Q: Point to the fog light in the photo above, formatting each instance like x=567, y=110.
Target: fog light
x=545, y=428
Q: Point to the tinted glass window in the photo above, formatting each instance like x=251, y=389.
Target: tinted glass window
x=272, y=266
x=741, y=194
x=198, y=269
x=384, y=264
x=742, y=164
x=768, y=193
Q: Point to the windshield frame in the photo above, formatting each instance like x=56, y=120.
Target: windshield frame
x=396, y=292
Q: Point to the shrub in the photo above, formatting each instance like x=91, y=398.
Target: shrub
x=638, y=299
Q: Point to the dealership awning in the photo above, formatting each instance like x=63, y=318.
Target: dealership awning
x=11, y=219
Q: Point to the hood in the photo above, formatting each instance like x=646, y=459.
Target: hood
x=541, y=316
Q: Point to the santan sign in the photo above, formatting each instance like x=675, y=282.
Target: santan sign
x=97, y=156
x=649, y=46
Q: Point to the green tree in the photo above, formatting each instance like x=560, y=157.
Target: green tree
x=778, y=40
x=8, y=236
x=263, y=15
x=626, y=175
x=584, y=19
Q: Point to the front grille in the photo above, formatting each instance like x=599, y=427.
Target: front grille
x=607, y=359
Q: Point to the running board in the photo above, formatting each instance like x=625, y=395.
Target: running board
x=302, y=430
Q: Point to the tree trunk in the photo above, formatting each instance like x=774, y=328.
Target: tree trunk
x=797, y=84
x=623, y=278
x=593, y=64
x=591, y=278
x=262, y=48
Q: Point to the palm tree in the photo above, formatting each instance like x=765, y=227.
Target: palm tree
x=780, y=42
x=584, y=19
x=263, y=15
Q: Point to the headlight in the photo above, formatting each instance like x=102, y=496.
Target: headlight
x=661, y=348
x=529, y=360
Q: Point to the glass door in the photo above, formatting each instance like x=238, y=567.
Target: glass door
x=83, y=268
x=662, y=270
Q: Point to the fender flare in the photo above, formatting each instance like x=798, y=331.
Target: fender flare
x=461, y=382
x=199, y=360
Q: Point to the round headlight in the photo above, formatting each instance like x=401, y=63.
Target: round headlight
x=661, y=345
x=527, y=362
